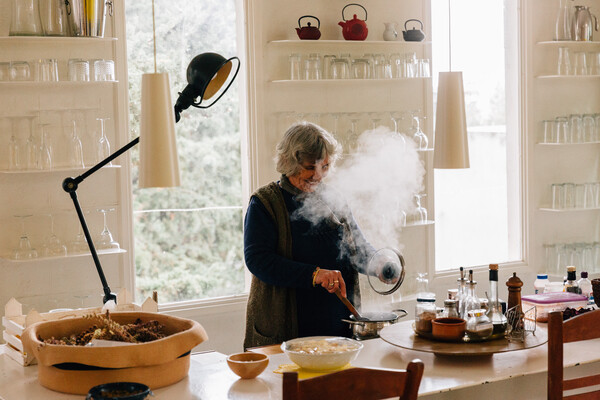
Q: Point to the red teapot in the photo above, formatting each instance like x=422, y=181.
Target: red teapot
x=309, y=32
x=354, y=29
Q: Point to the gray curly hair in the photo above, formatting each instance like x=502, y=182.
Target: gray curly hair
x=305, y=141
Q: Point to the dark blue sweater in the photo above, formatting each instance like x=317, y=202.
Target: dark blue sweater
x=320, y=313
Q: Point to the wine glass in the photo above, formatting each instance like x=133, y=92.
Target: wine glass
x=79, y=244
x=53, y=246
x=102, y=145
x=352, y=134
x=45, y=150
x=24, y=250
x=106, y=241
x=419, y=136
x=420, y=211
x=75, y=148
x=397, y=118
x=31, y=146
x=14, y=152
x=375, y=120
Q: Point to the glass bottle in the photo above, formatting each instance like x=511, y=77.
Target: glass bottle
x=462, y=291
x=494, y=313
x=25, y=19
x=450, y=309
x=571, y=283
x=425, y=312
x=563, y=21
x=586, y=286
x=471, y=300
x=479, y=326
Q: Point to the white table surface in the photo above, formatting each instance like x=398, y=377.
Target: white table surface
x=518, y=375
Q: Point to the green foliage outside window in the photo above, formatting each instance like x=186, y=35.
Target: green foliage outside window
x=188, y=240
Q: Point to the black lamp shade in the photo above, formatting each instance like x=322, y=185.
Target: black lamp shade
x=206, y=74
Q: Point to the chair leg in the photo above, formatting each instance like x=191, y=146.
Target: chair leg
x=290, y=386
x=413, y=381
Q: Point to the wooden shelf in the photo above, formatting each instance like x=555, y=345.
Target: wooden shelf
x=100, y=253
x=343, y=81
x=39, y=84
x=63, y=40
x=54, y=170
x=566, y=144
x=579, y=77
x=567, y=210
x=561, y=43
x=311, y=43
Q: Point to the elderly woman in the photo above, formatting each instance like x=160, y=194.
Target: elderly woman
x=301, y=245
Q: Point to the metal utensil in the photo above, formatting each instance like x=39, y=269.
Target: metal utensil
x=350, y=306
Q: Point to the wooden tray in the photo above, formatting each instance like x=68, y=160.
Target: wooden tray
x=401, y=334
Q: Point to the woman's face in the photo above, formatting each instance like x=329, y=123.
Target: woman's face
x=310, y=175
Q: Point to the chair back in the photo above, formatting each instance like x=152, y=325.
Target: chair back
x=356, y=383
x=582, y=327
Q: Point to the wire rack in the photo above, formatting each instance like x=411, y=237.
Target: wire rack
x=520, y=323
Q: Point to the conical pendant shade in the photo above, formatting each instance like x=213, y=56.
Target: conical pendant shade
x=159, y=166
x=451, y=148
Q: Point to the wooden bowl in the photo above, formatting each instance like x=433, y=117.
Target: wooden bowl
x=450, y=329
x=248, y=365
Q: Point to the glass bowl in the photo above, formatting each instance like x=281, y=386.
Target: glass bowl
x=322, y=353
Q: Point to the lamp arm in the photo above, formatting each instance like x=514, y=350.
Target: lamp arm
x=70, y=186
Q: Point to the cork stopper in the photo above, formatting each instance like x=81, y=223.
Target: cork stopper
x=571, y=268
x=494, y=267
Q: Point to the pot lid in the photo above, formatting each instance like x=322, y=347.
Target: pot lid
x=377, y=316
x=385, y=270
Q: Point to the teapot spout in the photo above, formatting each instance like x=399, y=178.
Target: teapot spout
x=342, y=24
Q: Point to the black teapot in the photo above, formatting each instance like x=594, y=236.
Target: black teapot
x=413, y=35
x=309, y=32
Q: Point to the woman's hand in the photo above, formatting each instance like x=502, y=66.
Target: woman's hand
x=331, y=280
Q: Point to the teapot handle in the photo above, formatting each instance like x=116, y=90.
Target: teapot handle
x=416, y=20
x=310, y=16
x=353, y=4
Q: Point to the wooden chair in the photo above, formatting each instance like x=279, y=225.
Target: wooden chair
x=583, y=327
x=356, y=383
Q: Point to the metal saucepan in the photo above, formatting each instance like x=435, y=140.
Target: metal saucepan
x=373, y=323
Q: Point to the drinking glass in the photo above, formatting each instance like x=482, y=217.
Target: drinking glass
x=597, y=123
x=564, y=61
x=558, y=196
x=327, y=61
x=4, y=71
x=104, y=70
x=575, y=132
x=410, y=65
x=79, y=70
x=396, y=65
x=312, y=69
x=595, y=63
x=106, y=241
x=25, y=19
x=102, y=145
x=548, y=131
x=420, y=211
x=361, y=68
x=589, y=195
x=580, y=67
x=340, y=69
x=562, y=130
x=295, y=66
x=54, y=17
x=550, y=258
x=568, y=195
x=46, y=70
x=383, y=69
x=20, y=71
x=580, y=195
x=24, y=250
x=588, y=128
x=45, y=153
x=75, y=149
x=424, y=69
x=419, y=136
x=53, y=246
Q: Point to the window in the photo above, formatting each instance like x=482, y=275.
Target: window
x=188, y=239
x=477, y=210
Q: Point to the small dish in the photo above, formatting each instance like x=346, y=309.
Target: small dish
x=451, y=329
x=247, y=365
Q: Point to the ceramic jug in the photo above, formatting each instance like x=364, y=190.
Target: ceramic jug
x=390, y=33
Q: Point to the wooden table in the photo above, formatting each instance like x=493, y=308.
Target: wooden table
x=517, y=374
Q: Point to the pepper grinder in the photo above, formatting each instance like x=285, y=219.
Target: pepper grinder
x=514, y=291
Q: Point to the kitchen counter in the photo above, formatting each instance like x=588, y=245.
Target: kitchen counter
x=517, y=374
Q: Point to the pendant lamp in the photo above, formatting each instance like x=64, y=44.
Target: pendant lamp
x=451, y=147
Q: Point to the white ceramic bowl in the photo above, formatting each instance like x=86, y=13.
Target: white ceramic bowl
x=322, y=353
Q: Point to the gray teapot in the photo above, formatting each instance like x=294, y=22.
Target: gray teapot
x=413, y=35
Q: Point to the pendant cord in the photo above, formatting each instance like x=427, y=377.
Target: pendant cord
x=154, y=35
x=449, y=38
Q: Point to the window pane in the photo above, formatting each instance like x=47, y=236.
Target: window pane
x=475, y=217
x=188, y=239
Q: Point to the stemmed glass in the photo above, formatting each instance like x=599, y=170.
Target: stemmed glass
x=32, y=148
x=397, y=118
x=14, y=151
x=45, y=154
x=375, y=120
x=106, y=241
x=420, y=211
x=79, y=244
x=103, y=146
x=24, y=250
x=53, y=246
x=352, y=134
x=419, y=136
x=75, y=148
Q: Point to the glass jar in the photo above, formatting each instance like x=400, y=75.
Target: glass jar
x=450, y=309
x=479, y=326
x=425, y=312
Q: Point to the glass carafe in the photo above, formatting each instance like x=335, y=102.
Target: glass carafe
x=471, y=301
x=494, y=312
x=563, y=21
x=25, y=19
x=461, y=293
